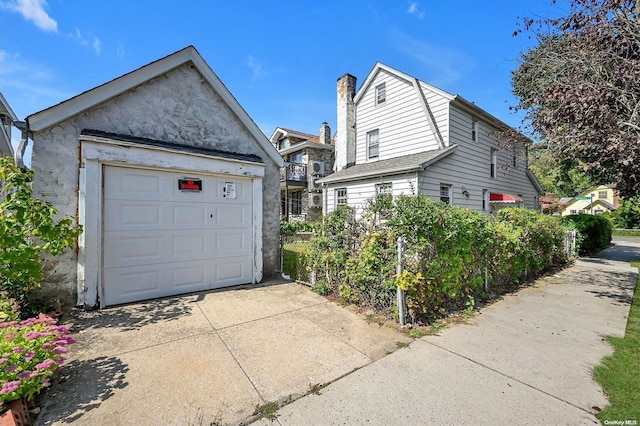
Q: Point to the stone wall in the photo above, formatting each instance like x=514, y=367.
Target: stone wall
x=178, y=107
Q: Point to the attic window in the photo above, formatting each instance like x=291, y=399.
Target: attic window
x=381, y=94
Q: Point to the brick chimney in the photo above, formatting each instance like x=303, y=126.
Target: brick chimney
x=346, y=131
x=325, y=133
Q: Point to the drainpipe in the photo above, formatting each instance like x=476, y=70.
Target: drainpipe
x=24, y=141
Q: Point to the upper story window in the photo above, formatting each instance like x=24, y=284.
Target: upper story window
x=475, y=131
x=296, y=157
x=283, y=143
x=373, y=144
x=384, y=189
x=514, y=160
x=381, y=94
x=341, y=196
x=494, y=163
x=445, y=193
x=602, y=194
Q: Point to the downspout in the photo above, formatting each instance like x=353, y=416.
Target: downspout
x=24, y=141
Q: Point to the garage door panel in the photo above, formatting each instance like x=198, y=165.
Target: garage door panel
x=231, y=243
x=121, y=249
x=231, y=216
x=133, y=184
x=189, y=215
x=159, y=241
x=231, y=273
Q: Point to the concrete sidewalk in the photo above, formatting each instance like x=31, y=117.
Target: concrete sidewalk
x=207, y=358
x=526, y=359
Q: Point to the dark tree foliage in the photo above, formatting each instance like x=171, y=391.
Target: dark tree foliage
x=580, y=89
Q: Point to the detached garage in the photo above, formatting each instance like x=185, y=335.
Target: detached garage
x=175, y=186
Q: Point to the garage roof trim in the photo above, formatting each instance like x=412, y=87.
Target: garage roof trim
x=172, y=146
x=66, y=109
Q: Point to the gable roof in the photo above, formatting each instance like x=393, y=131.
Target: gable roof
x=392, y=166
x=89, y=99
x=458, y=100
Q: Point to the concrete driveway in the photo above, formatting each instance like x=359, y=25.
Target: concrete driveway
x=207, y=358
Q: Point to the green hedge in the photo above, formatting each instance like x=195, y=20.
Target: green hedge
x=449, y=253
x=594, y=232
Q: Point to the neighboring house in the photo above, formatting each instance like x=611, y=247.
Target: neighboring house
x=7, y=118
x=596, y=200
x=399, y=135
x=175, y=186
x=307, y=158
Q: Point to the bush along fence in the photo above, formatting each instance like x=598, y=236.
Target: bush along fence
x=450, y=257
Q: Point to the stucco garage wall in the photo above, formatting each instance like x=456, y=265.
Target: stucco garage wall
x=178, y=107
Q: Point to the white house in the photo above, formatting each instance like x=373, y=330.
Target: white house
x=399, y=135
x=174, y=184
x=7, y=119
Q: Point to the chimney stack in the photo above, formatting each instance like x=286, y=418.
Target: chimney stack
x=325, y=133
x=346, y=131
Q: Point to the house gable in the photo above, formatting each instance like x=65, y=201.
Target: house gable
x=129, y=82
x=404, y=120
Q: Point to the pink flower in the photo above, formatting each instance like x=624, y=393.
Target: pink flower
x=24, y=375
x=8, y=387
x=32, y=335
x=59, y=350
x=18, y=350
x=47, y=363
x=30, y=356
x=46, y=383
x=11, y=368
x=3, y=361
x=60, y=360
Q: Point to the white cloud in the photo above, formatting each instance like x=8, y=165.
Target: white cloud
x=36, y=85
x=32, y=10
x=87, y=40
x=445, y=65
x=414, y=10
x=120, y=50
x=257, y=69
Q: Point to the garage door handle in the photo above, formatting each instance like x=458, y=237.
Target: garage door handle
x=211, y=215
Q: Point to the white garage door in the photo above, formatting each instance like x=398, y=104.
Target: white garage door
x=160, y=240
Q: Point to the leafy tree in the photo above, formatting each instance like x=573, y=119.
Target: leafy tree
x=28, y=230
x=629, y=213
x=553, y=176
x=579, y=89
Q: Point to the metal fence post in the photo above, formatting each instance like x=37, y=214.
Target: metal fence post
x=402, y=315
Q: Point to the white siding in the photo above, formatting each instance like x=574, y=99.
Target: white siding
x=439, y=106
x=358, y=192
x=469, y=166
x=401, y=120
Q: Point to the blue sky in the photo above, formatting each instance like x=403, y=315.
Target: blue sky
x=280, y=59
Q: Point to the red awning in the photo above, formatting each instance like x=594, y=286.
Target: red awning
x=504, y=198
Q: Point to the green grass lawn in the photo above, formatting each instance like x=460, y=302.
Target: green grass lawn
x=626, y=232
x=619, y=374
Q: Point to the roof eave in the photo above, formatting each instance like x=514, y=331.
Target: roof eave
x=303, y=145
x=89, y=99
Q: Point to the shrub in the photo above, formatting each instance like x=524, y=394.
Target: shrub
x=31, y=351
x=449, y=252
x=28, y=229
x=595, y=232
